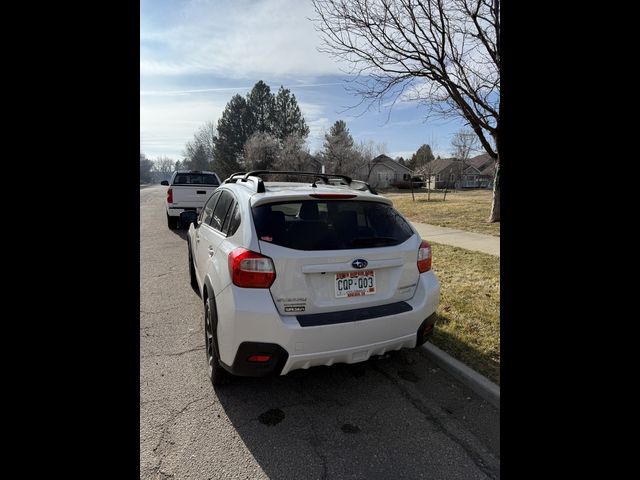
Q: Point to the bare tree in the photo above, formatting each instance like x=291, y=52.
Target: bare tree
x=443, y=53
x=463, y=143
x=164, y=165
x=261, y=151
x=294, y=155
x=206, y=136
x=362, y=162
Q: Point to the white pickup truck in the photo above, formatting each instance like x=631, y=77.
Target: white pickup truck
x=188, y=190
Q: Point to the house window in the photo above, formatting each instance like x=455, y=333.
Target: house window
x=438, y=177
x=452, y=177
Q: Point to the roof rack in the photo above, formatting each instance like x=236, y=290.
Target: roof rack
x=325, y=177
x=244, y=177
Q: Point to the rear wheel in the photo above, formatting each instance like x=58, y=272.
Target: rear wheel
x=217, y=373
x=172, y=222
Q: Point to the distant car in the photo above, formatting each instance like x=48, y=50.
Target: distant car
x=188, y=190
x=294, y=275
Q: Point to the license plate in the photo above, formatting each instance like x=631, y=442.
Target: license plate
x=355, y=284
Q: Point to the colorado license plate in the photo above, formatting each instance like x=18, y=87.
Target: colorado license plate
x=355, y=284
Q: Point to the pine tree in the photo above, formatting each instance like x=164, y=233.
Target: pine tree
x=233, y=133
x=287, y=118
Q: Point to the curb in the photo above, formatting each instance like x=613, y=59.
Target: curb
x=469, y=377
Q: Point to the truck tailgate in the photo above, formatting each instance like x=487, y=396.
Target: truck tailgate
x=189, y=196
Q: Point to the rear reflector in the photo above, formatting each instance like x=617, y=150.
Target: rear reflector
x=336, y=196
x=259, y=358
x=424, y=257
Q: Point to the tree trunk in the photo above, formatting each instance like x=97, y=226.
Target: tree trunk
x=495, y=205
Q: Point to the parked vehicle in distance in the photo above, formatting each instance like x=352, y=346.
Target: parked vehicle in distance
x=188, y=190
x=298, y=274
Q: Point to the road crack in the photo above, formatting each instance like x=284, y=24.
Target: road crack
x=175, y=354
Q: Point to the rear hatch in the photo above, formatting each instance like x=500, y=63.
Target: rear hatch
x=336, y=255
x=193, y=189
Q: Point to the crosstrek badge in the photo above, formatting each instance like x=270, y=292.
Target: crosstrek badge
x=294, y=308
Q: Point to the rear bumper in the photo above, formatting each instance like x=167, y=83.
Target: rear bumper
x=249, y=315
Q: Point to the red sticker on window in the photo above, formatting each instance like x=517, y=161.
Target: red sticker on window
x=267, y=239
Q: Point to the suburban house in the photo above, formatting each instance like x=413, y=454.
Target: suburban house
x=480, y=172
x=382, y=172
x=476, y=172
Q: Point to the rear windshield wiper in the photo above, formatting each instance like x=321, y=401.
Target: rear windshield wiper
x=373, y=241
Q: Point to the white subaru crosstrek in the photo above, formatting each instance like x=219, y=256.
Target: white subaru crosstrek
x=294, y=275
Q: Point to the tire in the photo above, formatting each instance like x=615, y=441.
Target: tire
x=172, y=222
x=192, y=270
x=217, y=374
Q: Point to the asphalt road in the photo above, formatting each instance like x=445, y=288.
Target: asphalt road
x=394, y=417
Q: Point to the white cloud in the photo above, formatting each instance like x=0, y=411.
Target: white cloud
x=237, y=40
x=166, y=126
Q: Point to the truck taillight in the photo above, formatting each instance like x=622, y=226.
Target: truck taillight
x=169, y=196
x=424, y=257
x=250, y=269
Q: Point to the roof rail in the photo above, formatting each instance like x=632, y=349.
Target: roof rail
x=325, y=177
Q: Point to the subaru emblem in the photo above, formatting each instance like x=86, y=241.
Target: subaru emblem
x=359, y=263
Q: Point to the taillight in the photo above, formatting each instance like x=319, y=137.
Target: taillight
x=169, y=196
x=424, y=257
x=250, y=269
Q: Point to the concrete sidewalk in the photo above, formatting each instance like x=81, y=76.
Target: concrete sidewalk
x=459, y=238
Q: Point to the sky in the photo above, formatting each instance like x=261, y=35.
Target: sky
x=196, y=54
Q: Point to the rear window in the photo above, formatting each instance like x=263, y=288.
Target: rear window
x=330, y=224
x=196, y=179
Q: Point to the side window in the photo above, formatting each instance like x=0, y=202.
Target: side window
x=227, y=218
x=220, y=211
x=235, y=221
x=207, y=211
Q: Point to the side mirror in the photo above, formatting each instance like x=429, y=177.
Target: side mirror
x=189, y=217
x=164, y=182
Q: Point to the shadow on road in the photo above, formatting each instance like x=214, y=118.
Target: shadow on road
x=397, y=417
x=180, y=232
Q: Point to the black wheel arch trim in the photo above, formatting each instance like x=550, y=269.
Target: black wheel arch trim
x=211, y=296
x=424, y=332
x=243, y=368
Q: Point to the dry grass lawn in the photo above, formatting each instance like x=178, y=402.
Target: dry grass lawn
x=464, y=210
x=468, y=324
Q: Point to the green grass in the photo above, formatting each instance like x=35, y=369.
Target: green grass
x=464, y=210
x=468, y=323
